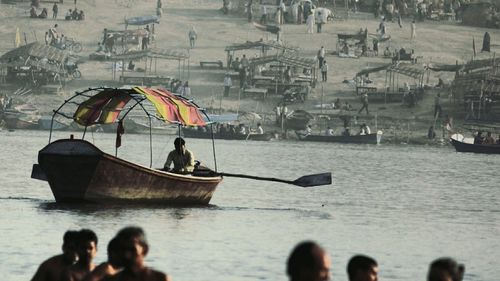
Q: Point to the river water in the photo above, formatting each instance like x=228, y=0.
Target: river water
x=402, y=205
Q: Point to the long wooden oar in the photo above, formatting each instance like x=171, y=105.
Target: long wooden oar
x=304, y=181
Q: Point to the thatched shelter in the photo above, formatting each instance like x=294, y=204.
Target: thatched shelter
x=34, y=60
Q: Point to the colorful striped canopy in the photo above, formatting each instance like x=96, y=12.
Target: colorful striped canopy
x=106, y=106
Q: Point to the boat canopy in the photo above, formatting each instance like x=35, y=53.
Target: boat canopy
x=105, y=107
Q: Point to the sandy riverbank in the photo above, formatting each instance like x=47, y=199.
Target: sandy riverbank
x=441, y=42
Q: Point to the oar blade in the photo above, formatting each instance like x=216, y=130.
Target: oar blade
x=314, y=180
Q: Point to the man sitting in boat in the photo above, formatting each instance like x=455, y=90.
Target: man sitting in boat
x=478, y=139
x=182, y=158
x=259, y=130
x=329, y=131
x=489, y=139
x=364, y=130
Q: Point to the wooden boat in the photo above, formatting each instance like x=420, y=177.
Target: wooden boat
x=22, y=117
x=374, y=138
x=195, y=133
x=298, y=120
x=78, y=171
x=461, y=145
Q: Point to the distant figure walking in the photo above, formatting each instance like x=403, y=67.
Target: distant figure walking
x=310, y=23
x=413, y=31
x=192, y=37
x=486, y=42
x=55, y=10
x=364, y=100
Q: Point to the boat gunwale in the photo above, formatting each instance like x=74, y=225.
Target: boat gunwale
x=123, y=162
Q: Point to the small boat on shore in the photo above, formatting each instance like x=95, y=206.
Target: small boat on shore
x=374, y=138
x=22, y=117
x=462, y=144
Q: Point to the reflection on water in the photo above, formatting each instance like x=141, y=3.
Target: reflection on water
x=402, y=205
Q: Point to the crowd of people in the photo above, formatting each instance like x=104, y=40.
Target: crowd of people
x=71, y=14
x=126, y=252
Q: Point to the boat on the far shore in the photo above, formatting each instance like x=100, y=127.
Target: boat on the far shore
x=374, y=138
x=462, y=144
x=199, y=134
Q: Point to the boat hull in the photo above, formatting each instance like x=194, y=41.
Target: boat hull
x=77, y=171
x=374, y=138
x=207, y=135
x=475, y=148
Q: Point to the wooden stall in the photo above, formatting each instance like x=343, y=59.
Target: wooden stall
x=149, y=75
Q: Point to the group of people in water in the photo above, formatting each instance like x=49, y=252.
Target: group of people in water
x=126, y=252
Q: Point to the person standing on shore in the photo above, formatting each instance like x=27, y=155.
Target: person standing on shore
x=324, y=71
x=228, y=83
x=193, y=35
x=310, y=23
x=55, y=10
x=413, y=31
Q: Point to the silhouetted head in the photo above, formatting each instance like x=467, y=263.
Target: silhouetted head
x=308, y=262
x=87, y=245
x=70, y=240
x=133, y=246
x=179, y=143
x=444, y=269
x=362, y=268
x=114, y=257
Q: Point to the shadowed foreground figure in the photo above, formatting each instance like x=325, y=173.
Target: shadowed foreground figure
x=445, y=269
x=133, y=249
x=109, y=268
x=362, y=268
x=87, y=250
x=53, y=268
x=308, y=262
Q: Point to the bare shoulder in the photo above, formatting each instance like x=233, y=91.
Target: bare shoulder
x=156, y=275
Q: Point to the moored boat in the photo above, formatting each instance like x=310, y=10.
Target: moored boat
x=46, y=123
x=195, y=133
x=462, y=144
x=19, y=121
x=374, y=138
